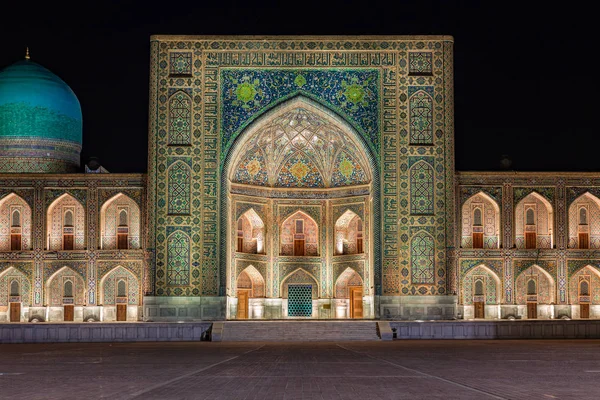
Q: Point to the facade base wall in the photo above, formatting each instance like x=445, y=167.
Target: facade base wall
x=418, y=307
x=158, y=308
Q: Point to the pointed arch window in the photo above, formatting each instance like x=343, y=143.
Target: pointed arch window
x=584, y=288
x=15, y=230
x=178, y=259
x=180, y=119
x=15, y=288
x=68, y=289
x=530, y=217
x=179, y=178
x=422, y=258
x=121, y=288
x=68, y=220
x=421, y=119
x=421, y=189
x=477, y=217
x=68, y=230
x=16, y=218
x=479, y=287
x=531, y=287
x=583, y=220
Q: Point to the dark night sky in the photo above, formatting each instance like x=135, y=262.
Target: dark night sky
x=524, y=73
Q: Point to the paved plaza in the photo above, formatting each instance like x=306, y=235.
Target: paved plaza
x=528, y=369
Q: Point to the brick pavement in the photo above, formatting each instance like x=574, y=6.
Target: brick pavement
x=351, y=370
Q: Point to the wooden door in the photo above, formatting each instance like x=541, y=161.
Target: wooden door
x=532, y=310
x=69, y=310
x=122, y=241
x=67, y=242
x=530, y=240
x=242, y=309
x=584, y=241
x=478, y=240
x=356, y=302
x=359, y=246
x=299, y=247
x=479, y=309
x=121, y=312
x=584, y=311
x=15, y=312
x=240, y=244
x=15, y=242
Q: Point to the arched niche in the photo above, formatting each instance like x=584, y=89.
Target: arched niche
x=491, y=286
x=251, y=279
x=55, y=287
x=65, y=224
x=15, y=223
x=590, y=275
x=348, y=278
x=299, y=235
x=299, y=277
x=120, y=223
x=349, y=234
x=110, y=285
x=250, y=233
x=584, y=222
x=534, y=223
x=7, y=279
x=480, y=222
x=543, y=283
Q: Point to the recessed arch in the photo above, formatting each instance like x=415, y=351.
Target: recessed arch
x=59, y=235
x=250, y=233
x=299, y=276
x=55, y=285
x=257, y=281
x=540, y=233
x=349, y=277
x=587, y=234
x=487, y=235
x=15, y=237
x=108, y=287
x=299, y=235
x=7, y=276
x=112, y=228
x=349, y=234
x=493, y=294
x=546, y=290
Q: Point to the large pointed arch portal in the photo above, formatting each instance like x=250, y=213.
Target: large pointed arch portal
x=304, y=155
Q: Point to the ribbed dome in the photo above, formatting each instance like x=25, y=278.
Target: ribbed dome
x=40, y=121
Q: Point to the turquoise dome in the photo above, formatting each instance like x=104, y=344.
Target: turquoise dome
x=40, y=121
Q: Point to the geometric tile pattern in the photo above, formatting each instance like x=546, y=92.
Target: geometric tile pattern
x=420, y=63
x=421, y=189
x=180, y=119
x=299, y=300
x=421, y=119
x=422, y=258
x=179, y=188
x=178, y=265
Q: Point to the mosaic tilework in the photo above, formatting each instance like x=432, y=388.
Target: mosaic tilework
x=179, y=188
x=590, y=274
x=545, y=287
x=178, y=264
x=252, y=170
x=288, y=233
x=422, y=259
x=180, y=119
x=348, y=278
x=247, y=93
x=421, y=189
x=180, y=63
x=420, y=63
x=299, y=171
x=300, y=276
x=490, y=224
x=346, y=171
x=591, y=204
x=421, y=119
x=543, y=221
x=491, y=286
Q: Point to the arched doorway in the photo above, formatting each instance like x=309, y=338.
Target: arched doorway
x=535, y=288
x=250, y=292
x=481, y=288
x=294, y=167
x=349, y=288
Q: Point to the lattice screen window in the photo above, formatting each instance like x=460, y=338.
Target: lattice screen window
x=531, y=287
x=15, y=288
x=178, y=259
x=422, y=258
x=583, y=216
x=180, y=119
x=68, y=288
x=421, y=189
x=179, y=189
x=16, y=217
x=421, y=119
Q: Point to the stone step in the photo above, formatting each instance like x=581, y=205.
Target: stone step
x=299, y=330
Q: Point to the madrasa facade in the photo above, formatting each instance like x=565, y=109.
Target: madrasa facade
x=288, y=177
